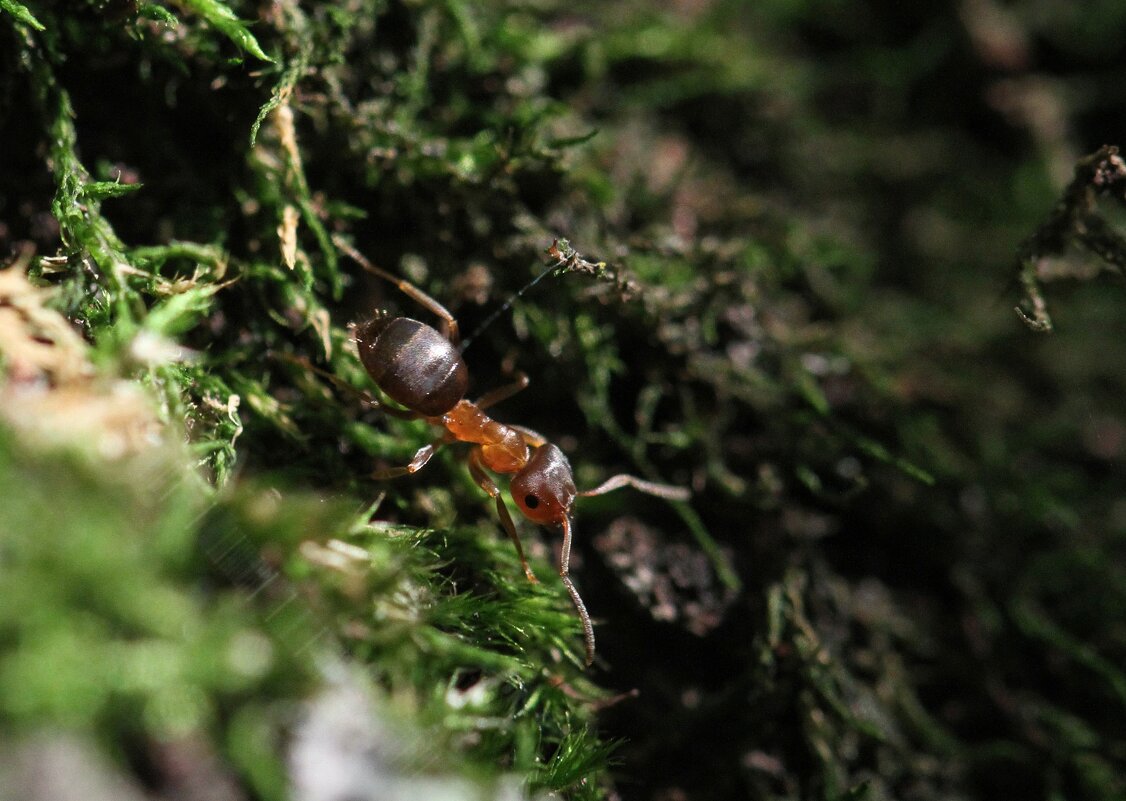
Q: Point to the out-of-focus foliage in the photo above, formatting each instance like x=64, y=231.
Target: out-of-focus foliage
x=899, y=575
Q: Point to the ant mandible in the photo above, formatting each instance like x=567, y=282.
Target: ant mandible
x=422, y=369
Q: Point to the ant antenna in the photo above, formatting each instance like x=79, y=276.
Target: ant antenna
x=566, y=259
x=560, y=262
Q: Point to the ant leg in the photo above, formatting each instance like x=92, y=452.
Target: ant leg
x=421, y=457
x=343, y=386
x=477, y=470
x=531, y=438
x=652, y=488
x=402, y=414
x=580, y=607
x=409, y=289
x=495, y=396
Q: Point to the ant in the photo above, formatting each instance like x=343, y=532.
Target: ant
x=422, y=369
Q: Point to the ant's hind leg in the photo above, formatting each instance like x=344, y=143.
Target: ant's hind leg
x=495, y=396
x=421, y=457
x=477, y=470
x=406, y=287
x=402, y=414
x=363, y=397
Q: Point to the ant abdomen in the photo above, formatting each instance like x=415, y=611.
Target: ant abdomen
x=413, y=364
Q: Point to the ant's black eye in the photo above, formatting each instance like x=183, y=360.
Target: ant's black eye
x=531, y=501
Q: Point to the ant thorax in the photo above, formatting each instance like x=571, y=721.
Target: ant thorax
x=503, y=449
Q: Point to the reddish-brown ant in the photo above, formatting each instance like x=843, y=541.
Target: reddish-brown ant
x=422, y=369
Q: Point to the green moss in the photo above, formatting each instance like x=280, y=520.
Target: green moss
x=895, y=577
x=20, y=12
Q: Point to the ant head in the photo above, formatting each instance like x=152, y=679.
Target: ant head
x=545, y=489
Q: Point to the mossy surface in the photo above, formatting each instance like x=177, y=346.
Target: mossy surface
x=800, y=230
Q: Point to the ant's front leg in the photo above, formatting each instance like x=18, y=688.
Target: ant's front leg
x=477, y=470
